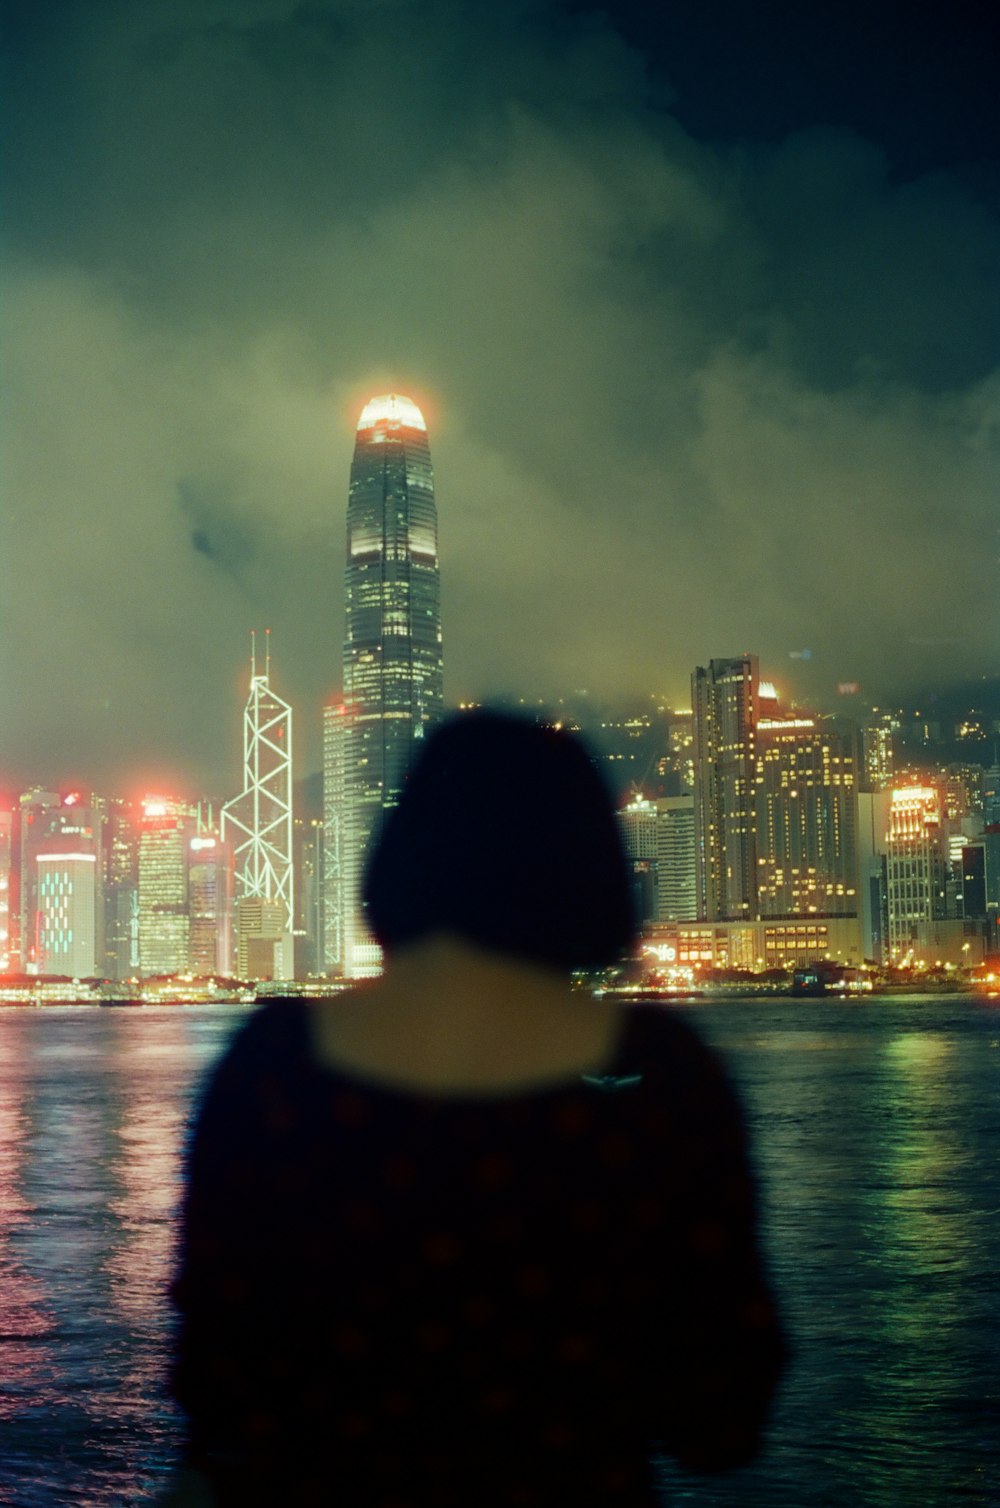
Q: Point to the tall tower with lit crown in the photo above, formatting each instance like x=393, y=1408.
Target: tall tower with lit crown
x=258, y=822
x=393, y=672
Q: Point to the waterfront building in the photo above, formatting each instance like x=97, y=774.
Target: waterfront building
x=307, y=834
x=334, y=812
x=119, y=947
x=393, y=669
x=258, y=822
x=66, y=901
x=873, y=837
x=805, y=818
x=677, y=892
x=757, y=945
x=264, y=942
x=34, y=815
x=658, y=837
x=725, y=699
x=915, y=867
x=210, y=904
x=51, y=824
x=775, y=804
x=36, y=820
x=6, y=889
x=981, y=885
x=165, y=829
x=638, y=823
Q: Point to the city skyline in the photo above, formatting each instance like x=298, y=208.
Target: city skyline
x=702, y=313
x=837, y=843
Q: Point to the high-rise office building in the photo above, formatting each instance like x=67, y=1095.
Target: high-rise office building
x=51, y=824
x=264, y=943
x=725, y=700
x=120, y=846
x=258, y=822
x=805, y=818
x=677, y=888
x=210, y=904
x=334, y=808
x=66, y=892
x=393, y=674
x=638, y=824
x=915, y=867
x=165, y=829
x=659, y=842
x=775, y=805
x=7, y=941
x=873, y=838
x=307, y=833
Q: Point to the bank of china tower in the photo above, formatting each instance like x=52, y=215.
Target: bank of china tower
x=393, y=680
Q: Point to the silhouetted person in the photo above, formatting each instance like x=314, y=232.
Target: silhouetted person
x=465, y=1235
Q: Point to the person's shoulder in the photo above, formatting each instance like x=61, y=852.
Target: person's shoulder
x=667, y=1038
x=677, y=1063
x=273, y=1036
x=278, y=1024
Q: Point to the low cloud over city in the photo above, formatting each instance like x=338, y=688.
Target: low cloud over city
x=687, y=396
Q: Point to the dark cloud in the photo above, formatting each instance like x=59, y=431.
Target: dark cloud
x=215, y=532
x=684, y=399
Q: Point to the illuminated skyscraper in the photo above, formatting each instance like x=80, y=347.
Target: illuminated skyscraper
x=638, y=824
x=210, y=904
x=334, y=749
x=59, y=825
x=675, y=851
x=915, y=867
x=120, y=843
x=258, y=822
x=725, y=699
x=393, y=677
x=66, y=897
x=6, y=888
x=805, y=817
x=39, y=820
x=165, y=829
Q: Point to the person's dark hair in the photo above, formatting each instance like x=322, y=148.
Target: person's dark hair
x=506, y=835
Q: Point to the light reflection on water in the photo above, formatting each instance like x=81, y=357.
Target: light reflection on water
x=877, y=1127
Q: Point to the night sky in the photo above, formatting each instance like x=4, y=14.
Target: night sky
x=702, y=305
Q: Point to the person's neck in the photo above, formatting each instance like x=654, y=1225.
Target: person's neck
x=444, y=970
x=448, y=1013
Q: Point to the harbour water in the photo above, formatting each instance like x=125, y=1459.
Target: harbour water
x=877, y=1131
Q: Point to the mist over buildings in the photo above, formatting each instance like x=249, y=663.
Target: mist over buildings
x=685, y=398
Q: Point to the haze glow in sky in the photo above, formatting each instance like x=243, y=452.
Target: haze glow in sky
x=700, y=376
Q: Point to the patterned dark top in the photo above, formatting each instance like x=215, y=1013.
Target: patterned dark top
x=396, y=1299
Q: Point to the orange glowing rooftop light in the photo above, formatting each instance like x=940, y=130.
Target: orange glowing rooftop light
x=914, y=795
x=392, y=409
